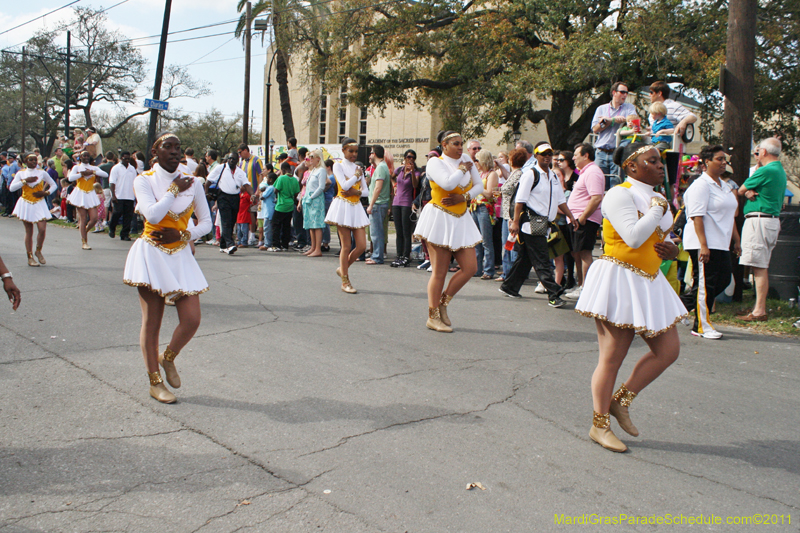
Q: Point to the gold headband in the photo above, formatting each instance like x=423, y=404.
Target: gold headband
x=164, y=137
x=451, y=136
x=350, y=144
x=644, y=149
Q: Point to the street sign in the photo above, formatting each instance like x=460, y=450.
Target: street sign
x=156, y=104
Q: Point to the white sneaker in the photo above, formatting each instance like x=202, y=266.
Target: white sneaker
x=425, y=264
x=540, y=289
x=430, y=268
x=713, y=334
x=574, y=294
x=231, y=250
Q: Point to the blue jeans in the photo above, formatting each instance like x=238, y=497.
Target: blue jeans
x=242, y=233
x=508, y=257
x=485, y=250
x=268, y=232
x=326, y=229
x=605, y=161
x=376, y=232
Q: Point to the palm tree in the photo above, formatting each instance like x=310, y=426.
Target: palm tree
x=281, y=16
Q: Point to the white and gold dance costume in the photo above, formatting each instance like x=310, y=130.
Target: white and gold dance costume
x=167, y=269
x=347, y=211
x=83, y=194
x=445, y=225
x=626, y=287
x=30, y=208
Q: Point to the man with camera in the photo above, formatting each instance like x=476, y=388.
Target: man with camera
x=607, y=120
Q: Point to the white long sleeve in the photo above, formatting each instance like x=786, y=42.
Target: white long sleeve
x=19, y=179
x=74, y=174
x=153, y=210
x=340, y=170
x=202, y=212
x=442, y=174
x=620, y=209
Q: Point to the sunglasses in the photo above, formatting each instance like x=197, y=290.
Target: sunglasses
x=546, y=154
x=411, y=157
x=622, y=92
x=560, y=160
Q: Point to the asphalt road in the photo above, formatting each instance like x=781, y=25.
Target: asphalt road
x=307, y=409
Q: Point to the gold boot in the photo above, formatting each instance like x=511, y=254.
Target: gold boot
x=158, y=390
x=619, y=409
x=85, y=245
x=601, y=433
x=40, y=257
x=443, y=309
x=435, y=321
x=31, y=261
x=346, y=286
x=167, y=362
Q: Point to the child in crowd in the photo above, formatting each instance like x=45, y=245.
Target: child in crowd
x=66, y=212
x=631, y=130
x=267, y=192
x=243, y=220
x=101, y=209
x=662, y=129
x=286, y=189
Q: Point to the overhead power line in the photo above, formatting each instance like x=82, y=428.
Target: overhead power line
x=40, y=17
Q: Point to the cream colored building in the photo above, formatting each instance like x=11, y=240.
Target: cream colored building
x=324, y=118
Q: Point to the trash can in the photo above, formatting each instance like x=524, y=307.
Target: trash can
x=784, y=267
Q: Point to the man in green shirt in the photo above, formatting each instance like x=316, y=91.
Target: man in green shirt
x=764, y=191
x=286, y=188
x=380, y=190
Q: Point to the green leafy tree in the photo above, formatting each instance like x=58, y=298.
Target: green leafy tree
x=487, y=64
x=106, y=70
x=295, y=26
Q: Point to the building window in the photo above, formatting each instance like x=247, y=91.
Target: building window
x=342, y=112
x=362, y=126
x=323, y=117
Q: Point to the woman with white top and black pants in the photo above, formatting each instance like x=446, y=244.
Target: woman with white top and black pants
x=710, y=230
x=231, y=180
x=543, y=197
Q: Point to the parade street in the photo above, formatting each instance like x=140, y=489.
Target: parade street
x=307, y=409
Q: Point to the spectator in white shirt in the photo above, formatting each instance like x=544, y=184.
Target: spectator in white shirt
x=708, y=235
x=122, y=196
x=191, y=162
x=539, y=194
x=231, y=180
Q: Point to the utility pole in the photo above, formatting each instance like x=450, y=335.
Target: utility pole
x=737, y=84
x=247, y=42
x=162, y=52
x=22, y=139
x=67, y=90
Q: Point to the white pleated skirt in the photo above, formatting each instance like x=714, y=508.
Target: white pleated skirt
x=79, y=198
x=627, y=300
x=437, y=226
x=32, y=212
x=343, y=214
x=162, y=273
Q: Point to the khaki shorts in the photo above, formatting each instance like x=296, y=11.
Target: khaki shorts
x=759, y=237
x=260, y=223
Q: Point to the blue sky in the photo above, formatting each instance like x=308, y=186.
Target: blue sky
x=218, y=60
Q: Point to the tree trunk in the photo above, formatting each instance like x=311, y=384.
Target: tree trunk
x=562, y=132
x=739, y=90
x=282, y=78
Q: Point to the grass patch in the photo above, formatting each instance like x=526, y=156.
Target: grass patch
x=781, y=316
